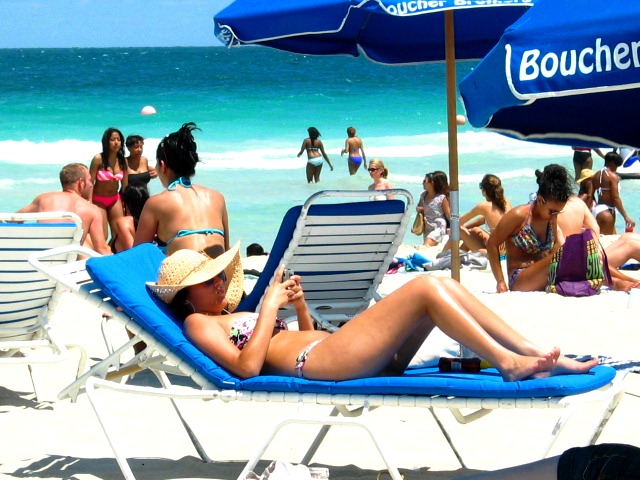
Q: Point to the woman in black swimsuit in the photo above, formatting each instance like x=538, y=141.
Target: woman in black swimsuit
x=138, y=165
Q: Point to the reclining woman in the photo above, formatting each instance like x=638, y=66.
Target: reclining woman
x=184, y=215
x=531, y=234
x=200, y=290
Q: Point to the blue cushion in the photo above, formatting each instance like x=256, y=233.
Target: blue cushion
x=123, y=277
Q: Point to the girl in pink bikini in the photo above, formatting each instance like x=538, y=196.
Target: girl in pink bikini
x=109, y=174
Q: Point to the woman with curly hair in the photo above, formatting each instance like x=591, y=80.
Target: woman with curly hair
x=531, y=234
x=185, y=215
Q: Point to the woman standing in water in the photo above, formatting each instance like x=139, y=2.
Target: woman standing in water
x=315, y=155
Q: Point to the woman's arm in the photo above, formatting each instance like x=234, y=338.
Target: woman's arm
x=325, y=156
x=210, y=337
x=617, y=201
x=446, y=208
x=476, y=211
x=148, y=223
x=302, y=148
x=505, y=228
x=96, y=163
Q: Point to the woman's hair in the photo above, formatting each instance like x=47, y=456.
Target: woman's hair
x=554, y=183
x=440, y=182
x=106, y=136
x=376, y=162
x=180, y=306
x=133, y=139
x=492, y=186
x=178, y=151
x=313, y=134
x=134, y=197
x=613, y=157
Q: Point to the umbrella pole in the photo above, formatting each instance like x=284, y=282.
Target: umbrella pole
x=452, y=134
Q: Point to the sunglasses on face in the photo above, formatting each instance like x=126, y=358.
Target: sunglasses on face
x=222, y=276
x=373, y=169
x=552, y=211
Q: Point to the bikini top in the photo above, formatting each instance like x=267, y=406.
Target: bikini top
x=107, y=176
x=605, y=170
x=527, y=240
x=243, y=327
x=162, y=245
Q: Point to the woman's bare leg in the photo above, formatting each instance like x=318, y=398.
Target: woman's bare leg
x=502, y=332
x=624, y=248
x=373, y=338
x=534, y=277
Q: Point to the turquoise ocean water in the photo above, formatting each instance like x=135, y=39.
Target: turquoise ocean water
x=253, y=105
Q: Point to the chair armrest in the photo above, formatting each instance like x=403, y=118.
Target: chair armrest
x=68, y=269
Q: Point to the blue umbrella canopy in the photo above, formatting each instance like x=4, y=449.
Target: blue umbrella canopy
x=388, y=32
x=385, y=31
x=563, y=75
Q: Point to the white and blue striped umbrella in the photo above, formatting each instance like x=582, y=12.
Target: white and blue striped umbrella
x=567, y=73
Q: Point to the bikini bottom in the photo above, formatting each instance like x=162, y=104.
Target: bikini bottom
x=105, y=202
x=302, y=358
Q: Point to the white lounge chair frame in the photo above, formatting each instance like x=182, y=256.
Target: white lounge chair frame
x=27, y=298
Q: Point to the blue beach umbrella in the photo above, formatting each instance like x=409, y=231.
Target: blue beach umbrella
x=385, y=31
x=566, y=73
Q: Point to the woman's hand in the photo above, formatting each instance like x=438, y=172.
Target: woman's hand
x=278, y=293
x=296, y=297
x=501, y=287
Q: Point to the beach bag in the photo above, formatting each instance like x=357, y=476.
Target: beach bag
x=579, y=268
x=418, y=224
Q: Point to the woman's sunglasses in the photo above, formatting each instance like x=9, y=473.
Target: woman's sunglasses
x=222, y=276
x=373, y=169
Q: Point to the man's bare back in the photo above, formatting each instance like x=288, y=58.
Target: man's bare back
x=73, y=198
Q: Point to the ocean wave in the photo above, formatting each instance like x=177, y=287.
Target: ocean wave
x=272, y=155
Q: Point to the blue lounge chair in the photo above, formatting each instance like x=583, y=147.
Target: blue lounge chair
x=122, y=278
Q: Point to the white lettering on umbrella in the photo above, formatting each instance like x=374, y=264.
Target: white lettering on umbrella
x=404, y=8
x=602, y=58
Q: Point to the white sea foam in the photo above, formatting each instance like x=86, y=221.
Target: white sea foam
x=273, y=155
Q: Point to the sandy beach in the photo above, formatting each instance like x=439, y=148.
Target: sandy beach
x=58, y=439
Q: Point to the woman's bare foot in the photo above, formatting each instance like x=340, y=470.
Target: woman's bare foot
x=568, y=366
x=523, y=367
x=624, y=285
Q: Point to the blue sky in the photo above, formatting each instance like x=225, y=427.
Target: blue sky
x=108, y=23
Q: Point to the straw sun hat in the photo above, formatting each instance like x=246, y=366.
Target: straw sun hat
x=584, y=174
x=187, y=267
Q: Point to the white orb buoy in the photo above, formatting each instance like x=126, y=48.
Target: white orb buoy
x=460, y=119
x=148, y=110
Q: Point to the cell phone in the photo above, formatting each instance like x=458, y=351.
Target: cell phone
x=287, y=274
